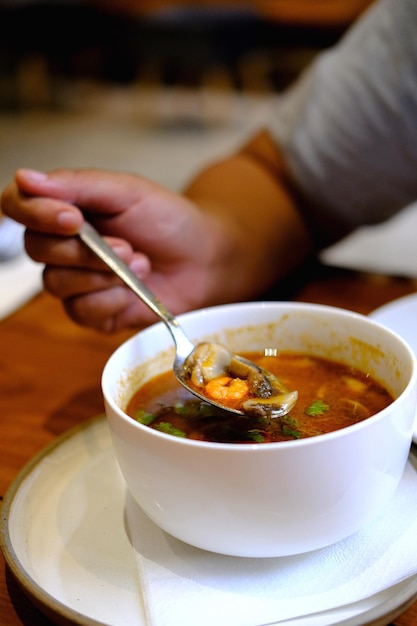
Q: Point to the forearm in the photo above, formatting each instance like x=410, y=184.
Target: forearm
x=267, y=234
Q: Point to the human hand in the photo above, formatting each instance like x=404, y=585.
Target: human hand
x=165, y=239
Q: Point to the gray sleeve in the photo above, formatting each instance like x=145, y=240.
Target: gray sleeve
x=348, y=129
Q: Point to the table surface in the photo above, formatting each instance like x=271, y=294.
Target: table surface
x=50, y=373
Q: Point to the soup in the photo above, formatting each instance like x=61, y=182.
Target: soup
x=331, y=396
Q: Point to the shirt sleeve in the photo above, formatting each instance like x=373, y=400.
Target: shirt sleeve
x=348, y=128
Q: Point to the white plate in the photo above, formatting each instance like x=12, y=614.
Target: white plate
x=401, y=316
x=63, y=535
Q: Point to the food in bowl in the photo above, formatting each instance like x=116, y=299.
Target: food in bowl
x=331, y=395
x=269, y=499
x=235, y=383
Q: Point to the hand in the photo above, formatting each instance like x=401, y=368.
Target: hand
x=166, y=239
x=237, y=229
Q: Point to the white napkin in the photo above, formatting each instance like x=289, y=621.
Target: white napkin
x=20, y=280
x=11, y=238
x=186, y=585
x=387, y=248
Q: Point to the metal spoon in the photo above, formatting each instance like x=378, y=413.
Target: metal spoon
x=183, y=346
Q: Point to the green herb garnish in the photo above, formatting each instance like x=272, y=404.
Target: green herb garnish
x=182, y=409
x=143, y=417
x=256, y=436
x=316, y=408
x=290, y=427
x=169, y=429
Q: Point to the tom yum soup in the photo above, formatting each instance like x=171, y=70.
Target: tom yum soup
x=331, y=396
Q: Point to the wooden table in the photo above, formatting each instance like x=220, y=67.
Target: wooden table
x=50, y=381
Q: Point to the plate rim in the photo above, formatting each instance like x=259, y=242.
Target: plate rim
x=392, y=304
x=49, y=605
x=378, y=314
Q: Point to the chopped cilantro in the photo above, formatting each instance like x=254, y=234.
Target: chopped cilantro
x=169, y=429
x=316, y=408
x=289, y=421
x=181, y=409
x=290, y=427
x=143, y=417
x=256, y=436
x=190, y=409
x=290, y=432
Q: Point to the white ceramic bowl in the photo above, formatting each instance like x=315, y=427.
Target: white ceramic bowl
x=276, y=499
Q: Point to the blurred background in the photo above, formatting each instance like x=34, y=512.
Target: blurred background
x=104, y=82
x=159, y=87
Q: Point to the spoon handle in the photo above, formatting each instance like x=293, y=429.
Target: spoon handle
x=96, y=243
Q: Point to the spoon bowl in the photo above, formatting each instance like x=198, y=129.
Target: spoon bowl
x=277, y=400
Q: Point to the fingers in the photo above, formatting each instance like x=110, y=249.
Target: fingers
x=71, y=252
x=98, y=309
x=98, y=299
x=109, y=310
x=68, y=281
x=41, y=214
x=52, y=202
x=108, y=193
x=57, y=202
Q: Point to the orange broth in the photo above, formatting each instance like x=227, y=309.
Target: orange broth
x=331, y=396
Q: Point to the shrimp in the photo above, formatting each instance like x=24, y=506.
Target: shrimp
x=227, y=388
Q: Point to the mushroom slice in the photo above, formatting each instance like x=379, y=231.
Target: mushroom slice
x=258, y=380
x=263, y=384
x=274, y=406
x=207, y=361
